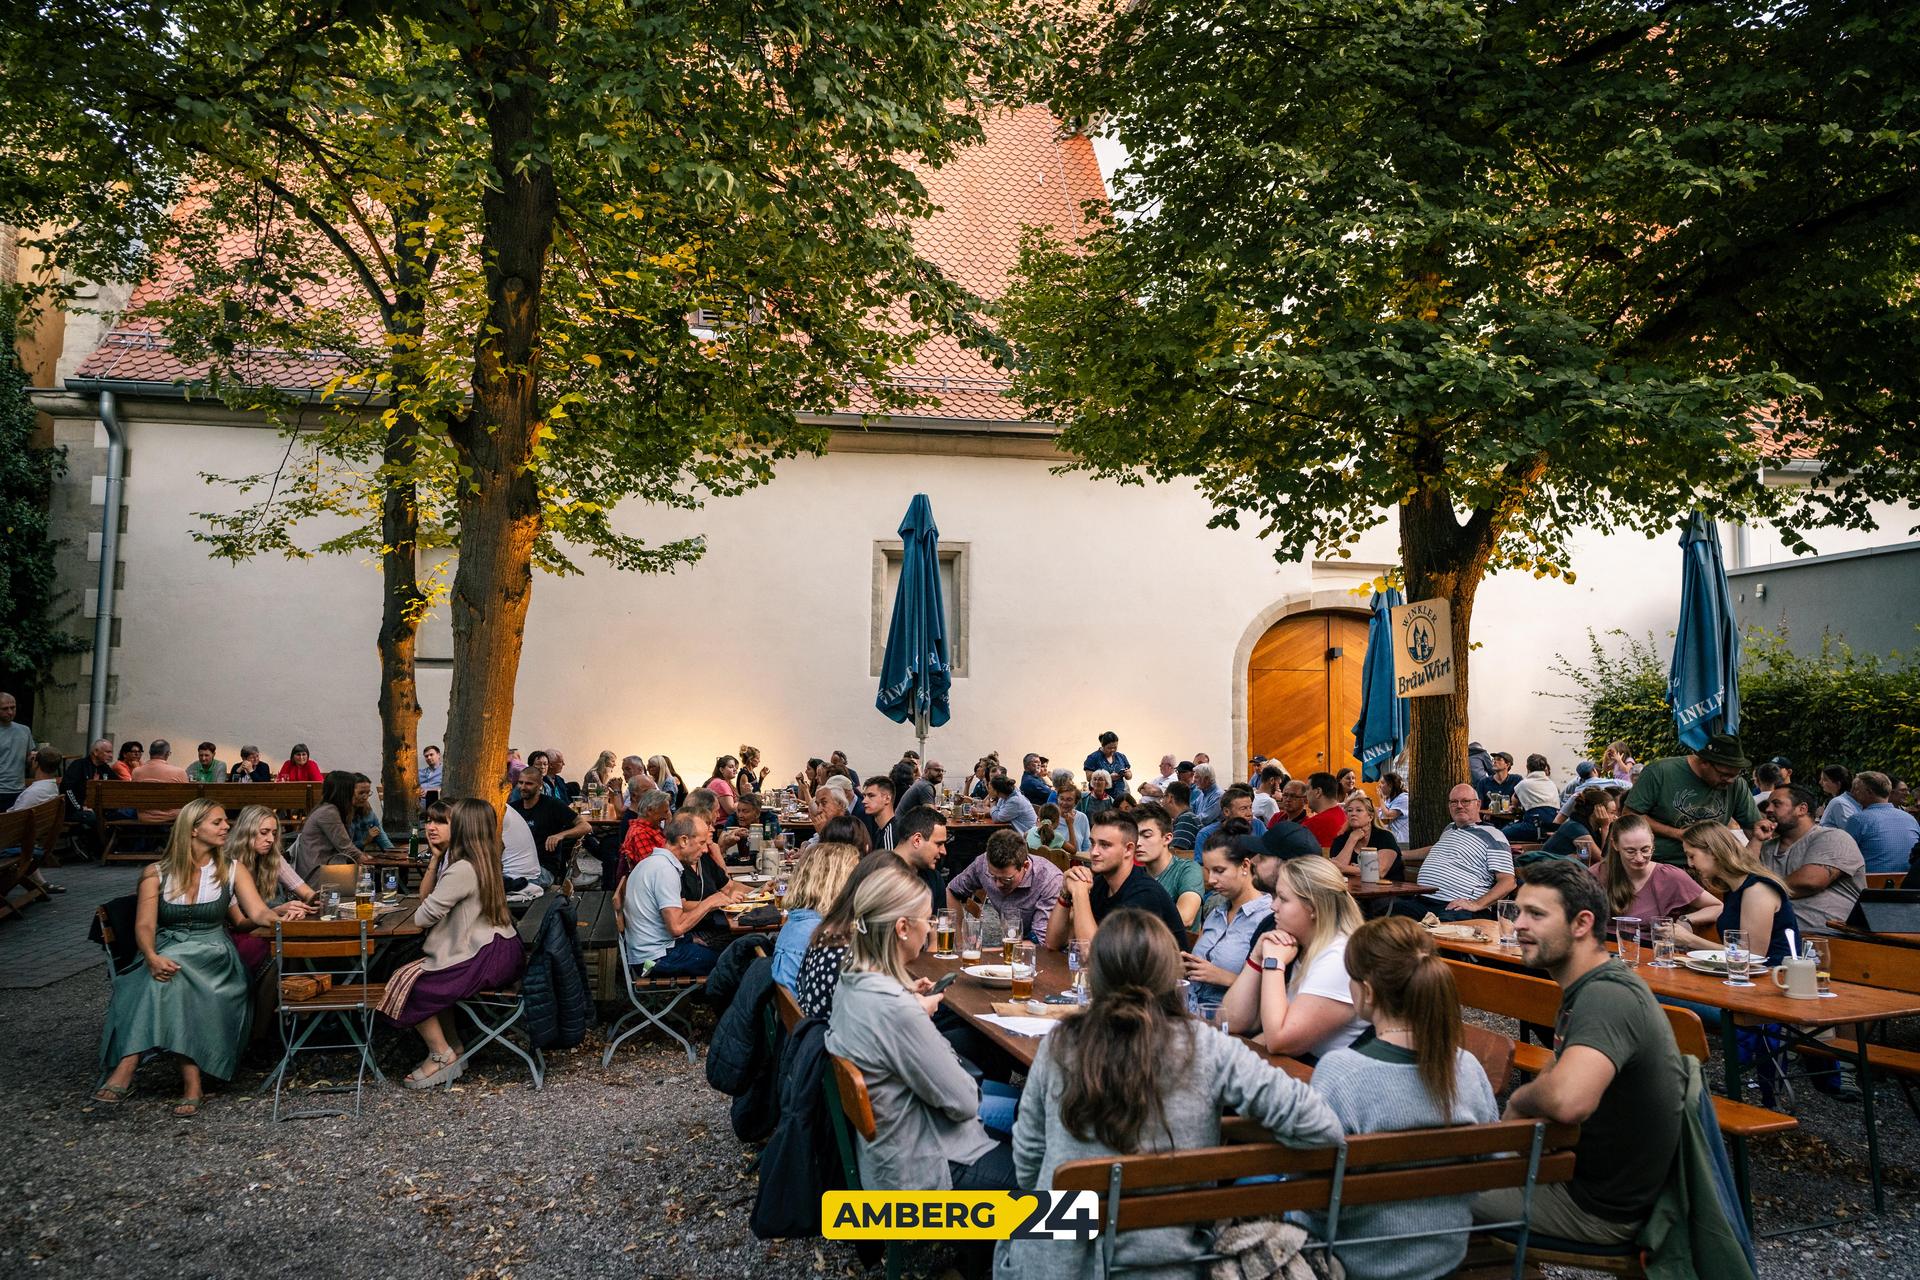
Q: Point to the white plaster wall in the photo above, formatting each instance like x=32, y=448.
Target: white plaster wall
x=1093, y=607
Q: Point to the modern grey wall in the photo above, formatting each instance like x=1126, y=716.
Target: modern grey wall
x=1870, y=599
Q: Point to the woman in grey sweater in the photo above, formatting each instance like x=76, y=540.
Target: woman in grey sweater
x=926, y=1106
x=1134, y=1073
x=1412, y=1073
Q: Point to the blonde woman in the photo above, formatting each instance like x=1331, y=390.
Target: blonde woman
x=667, y=778
x=1313, y=916
x=189, y=995
x=816, y=884
x=253, y=844
x=606, y=767
x=1752, y=898
x=471, y=945
x=928, y=1134
x=1364, y=831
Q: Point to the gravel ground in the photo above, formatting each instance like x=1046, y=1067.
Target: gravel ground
x=630, y=1171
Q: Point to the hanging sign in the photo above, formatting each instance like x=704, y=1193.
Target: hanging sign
x=1423, y=648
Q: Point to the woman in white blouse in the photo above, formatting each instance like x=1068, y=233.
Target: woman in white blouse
x=1313, y=916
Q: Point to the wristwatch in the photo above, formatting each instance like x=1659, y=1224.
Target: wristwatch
x=1270, y=963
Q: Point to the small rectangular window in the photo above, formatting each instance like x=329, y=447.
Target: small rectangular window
x=953, y=595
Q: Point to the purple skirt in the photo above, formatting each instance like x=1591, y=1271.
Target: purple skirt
x=498, y=964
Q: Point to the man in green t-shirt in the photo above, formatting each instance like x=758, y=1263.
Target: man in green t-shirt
x=1616, y=1072
x=1710, y=785
x=204, y=767
x=1182, y=878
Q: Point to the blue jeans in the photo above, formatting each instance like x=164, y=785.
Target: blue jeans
x=998, y=1105
x=687, y=959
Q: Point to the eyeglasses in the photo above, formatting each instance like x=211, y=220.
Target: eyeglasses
x=1461, y=804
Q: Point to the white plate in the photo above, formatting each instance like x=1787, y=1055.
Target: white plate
x=996, y=975
x=756, y=879
x=1708, y=957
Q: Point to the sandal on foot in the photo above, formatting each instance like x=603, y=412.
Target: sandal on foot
x=444, y=1072
x=188, y=1108
x=112, y=1095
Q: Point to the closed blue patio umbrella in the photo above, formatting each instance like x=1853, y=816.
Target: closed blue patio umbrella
x=916, y=674
x=1703, y=684
x=1380, y=733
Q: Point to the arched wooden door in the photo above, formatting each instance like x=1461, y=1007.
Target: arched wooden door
x=1303, y=691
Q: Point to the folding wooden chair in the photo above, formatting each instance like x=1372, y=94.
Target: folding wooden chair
x=851, y=1113
x=18, y=845
x=349, y=1002
x=654, y=1000
x=495, y=1013
x=655, y=1003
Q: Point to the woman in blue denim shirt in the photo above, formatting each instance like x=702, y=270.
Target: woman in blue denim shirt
x=817, y=881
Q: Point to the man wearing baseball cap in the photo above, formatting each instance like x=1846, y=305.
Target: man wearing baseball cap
x=1708, y=785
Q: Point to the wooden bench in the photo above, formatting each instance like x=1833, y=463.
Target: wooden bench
x=31, y=833
x=293, y=801
x=1187, y=1188
x=1537, y=1001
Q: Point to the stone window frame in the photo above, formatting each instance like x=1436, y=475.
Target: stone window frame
x=957, y=554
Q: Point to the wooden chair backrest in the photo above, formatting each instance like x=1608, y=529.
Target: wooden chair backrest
x=296, y=798
x=324, y=939
x=17, y=831
x=1537, y=1000
x=1169, y=1189
x=106, y=931
x=1493, y=1051
x=1511, y=995
x=1886, y=879
x=50, y=819
x=1688, y=1031
x=787, y=1007
x=854, y=1102
x=1874, y=964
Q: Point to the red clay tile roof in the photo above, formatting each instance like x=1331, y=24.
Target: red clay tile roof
x=1026, y=173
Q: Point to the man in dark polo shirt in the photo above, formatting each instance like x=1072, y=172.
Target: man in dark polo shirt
x=1112, y=881
x=1616, y=1072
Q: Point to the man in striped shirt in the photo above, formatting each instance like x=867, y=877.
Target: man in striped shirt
x=1469, y=868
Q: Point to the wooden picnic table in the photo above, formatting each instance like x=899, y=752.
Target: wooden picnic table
x=1851, y=1004
x=973, y=1000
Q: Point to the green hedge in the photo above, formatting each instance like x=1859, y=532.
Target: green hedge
x=1837, y=708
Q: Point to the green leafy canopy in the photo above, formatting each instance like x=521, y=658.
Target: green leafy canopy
x=1564, y=265
x=733, y=251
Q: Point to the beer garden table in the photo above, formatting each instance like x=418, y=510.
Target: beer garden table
x=1762, y=1002
x=973, y=1000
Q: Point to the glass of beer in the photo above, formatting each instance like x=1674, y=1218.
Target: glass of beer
x=1821, y=953
x=1011, y=938
x=943, y=935
x=1022, y=969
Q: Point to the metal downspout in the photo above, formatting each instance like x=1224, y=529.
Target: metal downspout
x=109, y=557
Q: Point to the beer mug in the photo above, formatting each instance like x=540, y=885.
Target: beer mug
x=1799, y=978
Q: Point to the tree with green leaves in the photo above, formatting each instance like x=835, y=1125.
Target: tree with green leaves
x=658, y=239
x=1502, y=272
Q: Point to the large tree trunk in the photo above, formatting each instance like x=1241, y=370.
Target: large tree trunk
x=1441, y=557
x=401, y=597
x=399, y=627
x=498, y=502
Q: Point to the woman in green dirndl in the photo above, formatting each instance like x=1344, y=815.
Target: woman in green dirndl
x=188, y=993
